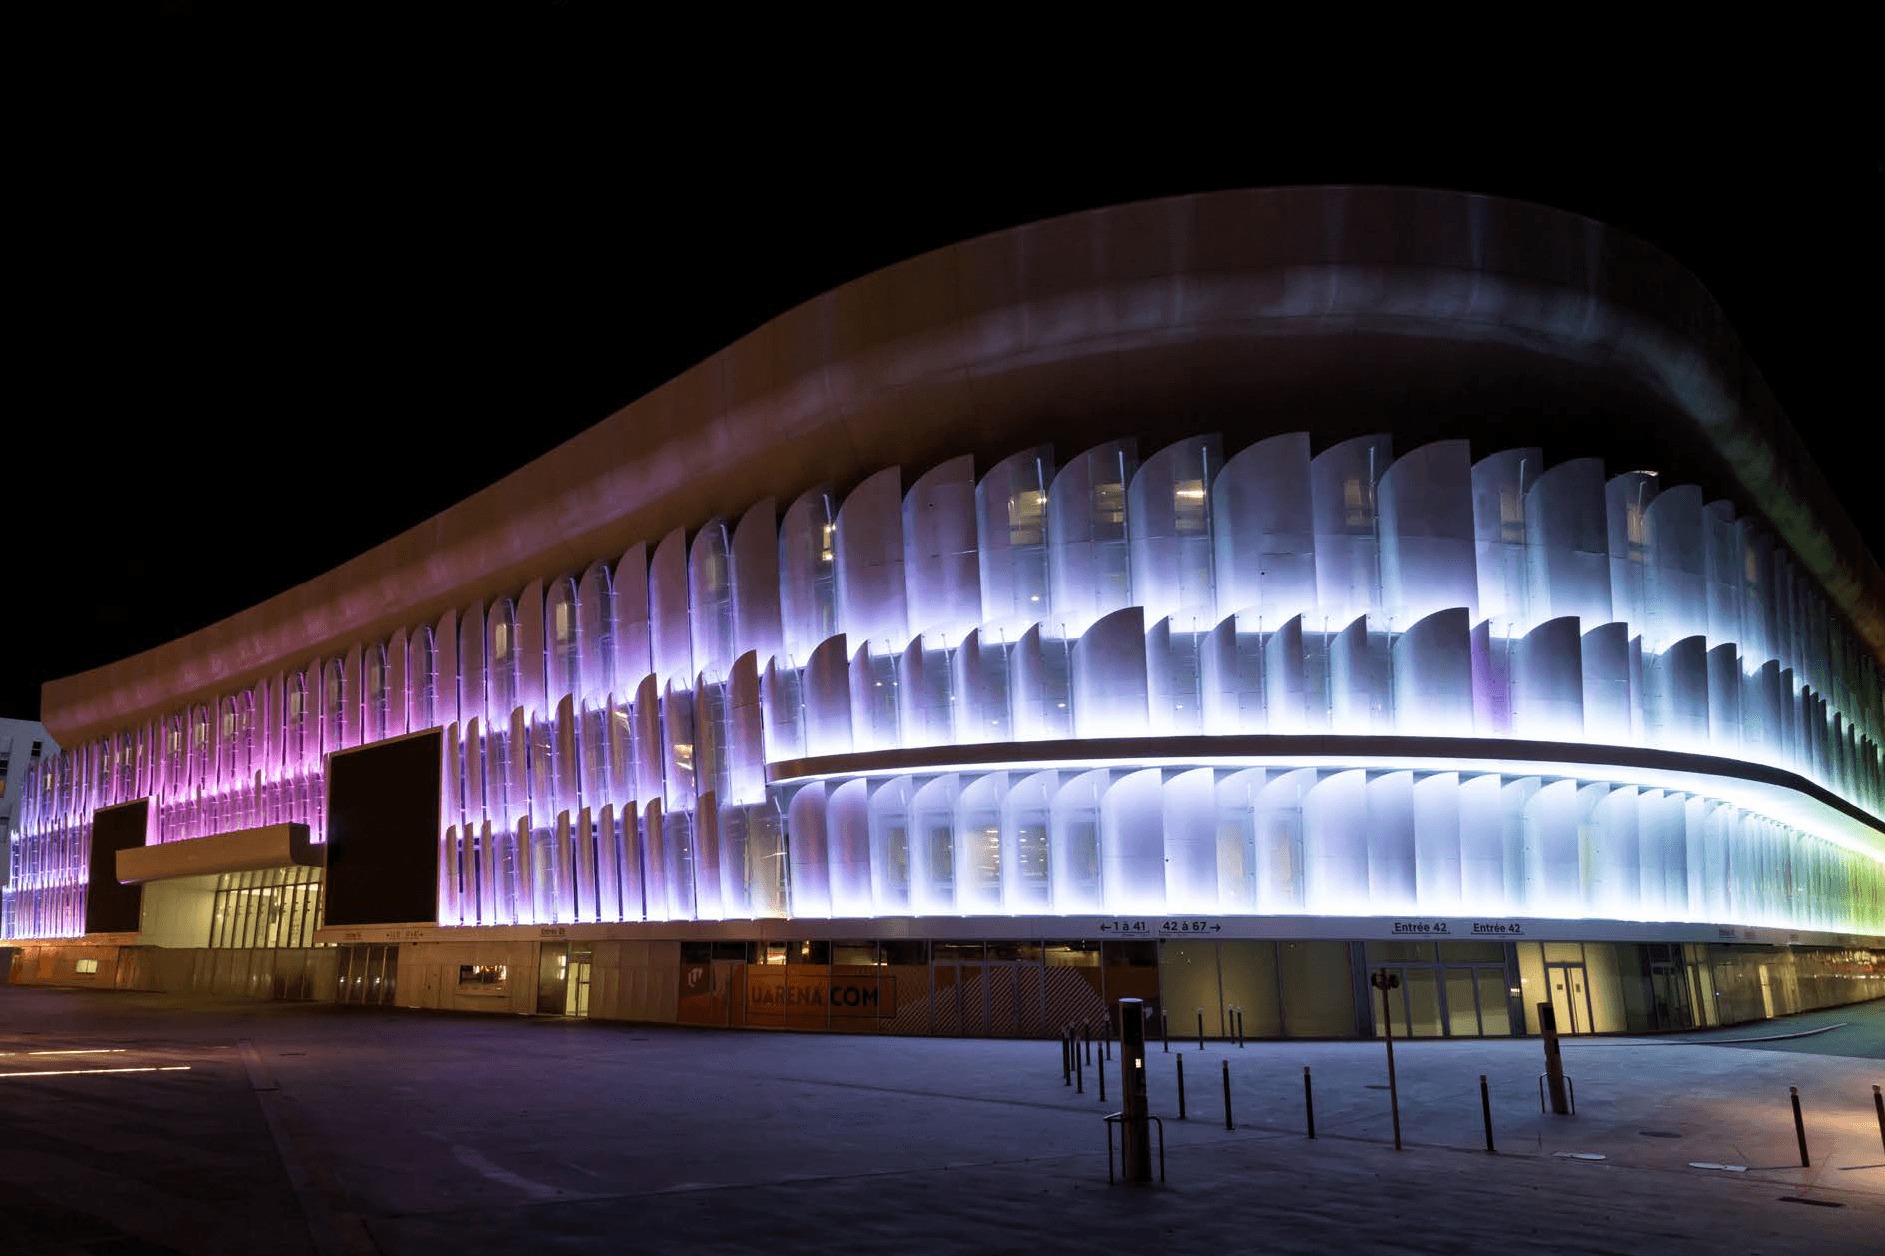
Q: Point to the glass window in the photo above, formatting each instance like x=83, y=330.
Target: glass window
x=738, y=951
x=956, y=952
x=1073, y=954
x=809, y=953
x=1015, y=952
x=1189, y=988
x=903, y=951
x=1027, y=514
x=1318, y=992
x=1400, y=953
x=854, y=953
x=1495, y=1014
x=1247, y=971
x=1532, y=992
x=1130, y=954
x=483, y=978
x=696, y=952
x=1472, y=952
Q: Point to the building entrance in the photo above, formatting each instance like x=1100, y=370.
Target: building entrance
x=563, y=979
x=1447, y=1001
x=1570, y=997
x=366, y=973
x=1669, y=989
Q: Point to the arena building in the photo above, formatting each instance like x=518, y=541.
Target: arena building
x=1209, y=600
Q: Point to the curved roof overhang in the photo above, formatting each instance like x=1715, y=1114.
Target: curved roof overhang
x=1770, y=791
x=1255, y=311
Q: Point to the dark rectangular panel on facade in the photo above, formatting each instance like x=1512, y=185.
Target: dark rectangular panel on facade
x=109, y=906
x=383, y=832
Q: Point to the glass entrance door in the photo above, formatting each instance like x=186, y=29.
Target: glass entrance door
x=552, y=977
x=366, y=973
x=576, y=985
x=1447, y=1001
x=1570, y=997
x=1414, y=1004
x=1670, y=987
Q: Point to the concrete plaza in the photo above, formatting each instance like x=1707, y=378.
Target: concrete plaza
x=294, y=1128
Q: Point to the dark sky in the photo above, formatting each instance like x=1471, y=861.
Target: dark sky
x=364, y=291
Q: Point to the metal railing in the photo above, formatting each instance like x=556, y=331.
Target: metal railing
x=1119, y=1118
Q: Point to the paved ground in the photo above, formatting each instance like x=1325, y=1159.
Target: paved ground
x=1857, y=1031
x=295, y=1128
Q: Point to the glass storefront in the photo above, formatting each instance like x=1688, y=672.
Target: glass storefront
x=1446, y=989
x=269, y=907
x=1290, y=989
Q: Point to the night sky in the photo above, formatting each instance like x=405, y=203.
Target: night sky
x=370, y=291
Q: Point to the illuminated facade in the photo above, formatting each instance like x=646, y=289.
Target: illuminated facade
x=22, y=744
x=1224, y=678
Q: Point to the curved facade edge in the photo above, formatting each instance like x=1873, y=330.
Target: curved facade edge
x=898, y=366
x=1391, y=753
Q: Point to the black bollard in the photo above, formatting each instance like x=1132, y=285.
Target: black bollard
x=1100, y=1068
x=1181, y=1085
x=1079, y=1073
x=1799, y=1127
x=1227, y=1121
x=1485, y=1110
x=1308, y=1101
x=1200, y=1029
x=1066, y=1062
x=1878, y=1105
x=1165, y=1029
x=1086, y=1041
x=1240, y=1027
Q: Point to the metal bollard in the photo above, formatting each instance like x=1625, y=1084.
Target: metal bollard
x=1799, y=1127
x=1165, y=1029
x=1240, y=1027
x=1554, y=1059
x=1485, y=1111
x=1385, y=980
x=1200, y=1029
x=1086, y=1042
x=1079, y=1073
x=1135, y=1119
x=1878, y=1105
x=1308, y=1101
x=1100, y=1068
x=1181, y=1085
x=1066, y=1061
x=1227, y=1121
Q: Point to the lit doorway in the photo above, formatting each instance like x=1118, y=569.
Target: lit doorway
x=563, y=978
x=576, y=986
x=552, y=977
x=366, y=973
x=1446, y=1001
x=1570, y=996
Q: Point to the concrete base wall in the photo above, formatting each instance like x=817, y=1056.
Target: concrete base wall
x=284, y=973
